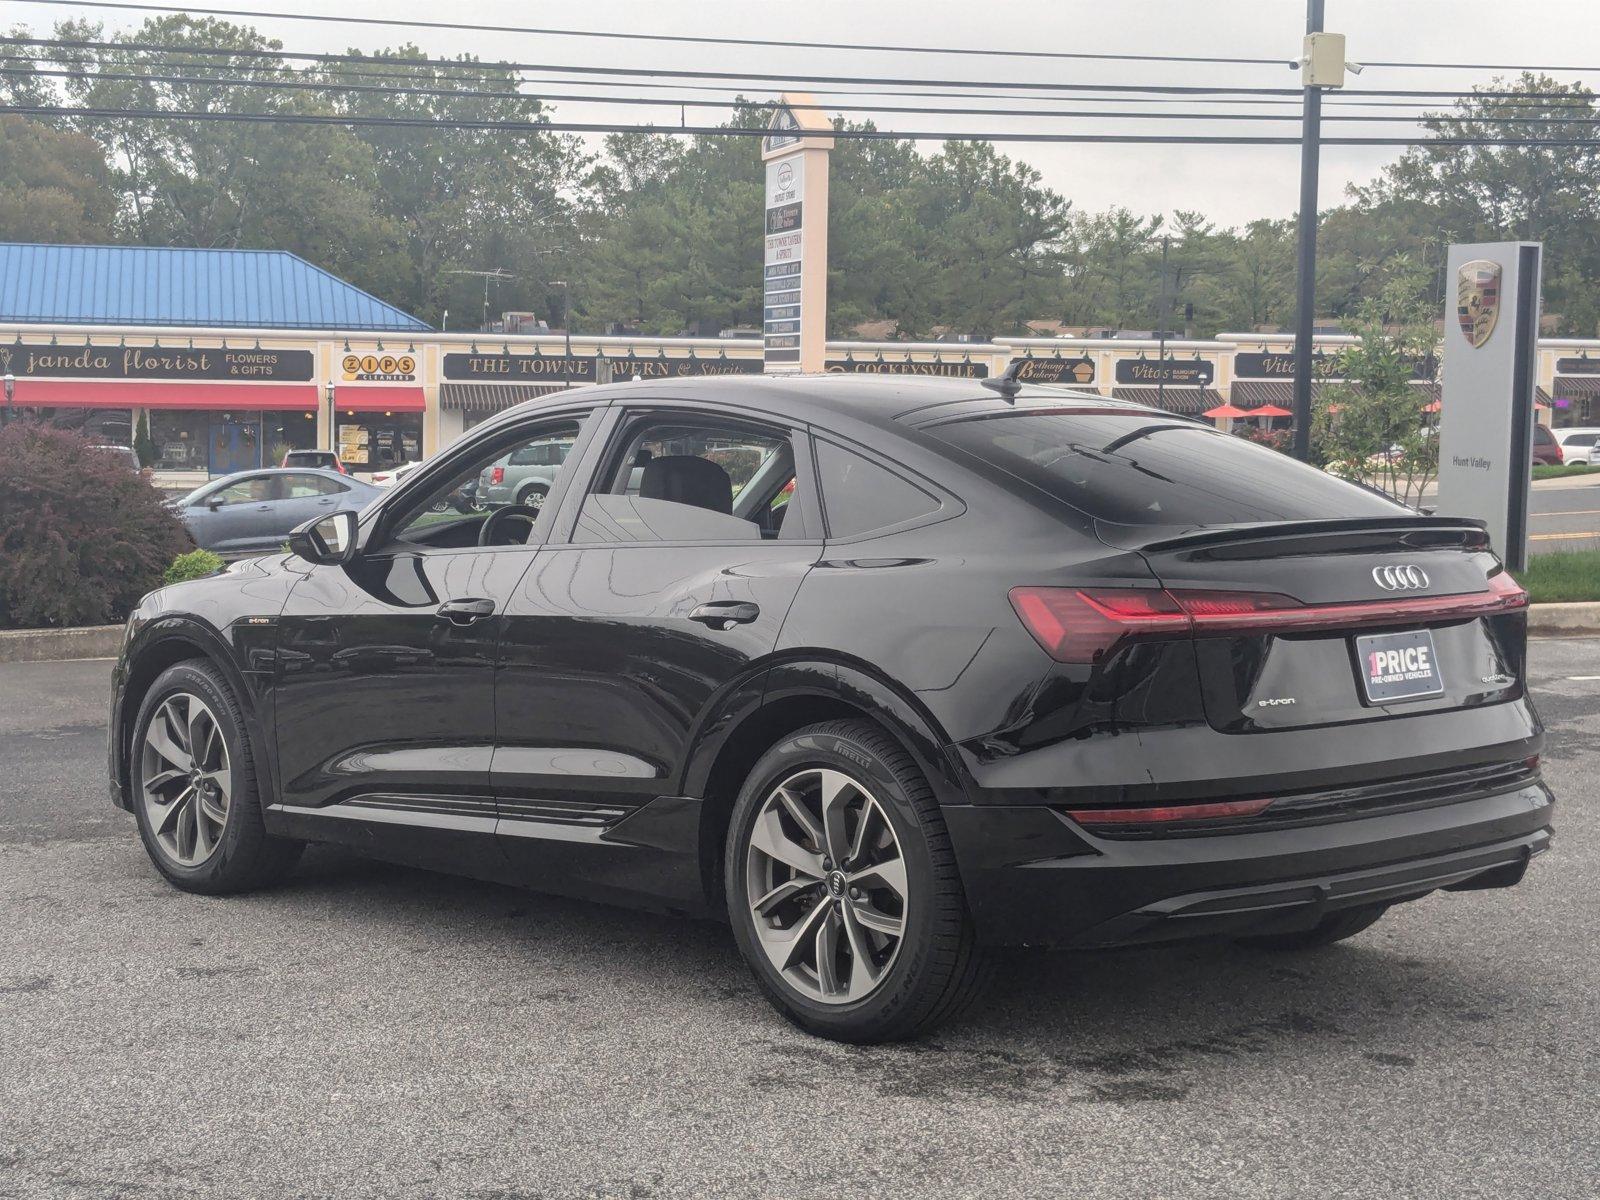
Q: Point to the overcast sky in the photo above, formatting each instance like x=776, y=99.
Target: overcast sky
x=1230, y=184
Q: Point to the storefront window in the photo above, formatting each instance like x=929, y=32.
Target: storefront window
x=105, y=426
x=286, y=431
x=372, y=441
x=180, y=437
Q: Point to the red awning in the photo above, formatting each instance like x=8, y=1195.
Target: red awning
x=359, y=398
x=124, y=393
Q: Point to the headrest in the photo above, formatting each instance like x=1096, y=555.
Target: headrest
x=685, y=479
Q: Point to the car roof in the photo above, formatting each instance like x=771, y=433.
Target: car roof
x=837, y=399
x=251, y=474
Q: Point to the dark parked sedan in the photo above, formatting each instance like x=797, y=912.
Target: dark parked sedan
x=882, y=672
x=256, y=510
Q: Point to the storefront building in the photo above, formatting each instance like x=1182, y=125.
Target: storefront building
x=230, y=358
x=217, y=354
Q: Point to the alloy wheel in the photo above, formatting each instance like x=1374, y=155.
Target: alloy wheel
x=826, y=882
x=187, y=781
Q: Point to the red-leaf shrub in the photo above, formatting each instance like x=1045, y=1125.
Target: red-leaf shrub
x=82, y=537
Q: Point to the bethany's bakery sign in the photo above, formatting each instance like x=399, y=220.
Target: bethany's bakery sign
x=26, y=361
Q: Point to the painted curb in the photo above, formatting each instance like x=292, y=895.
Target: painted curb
x=1581, y=619
x=42, y=645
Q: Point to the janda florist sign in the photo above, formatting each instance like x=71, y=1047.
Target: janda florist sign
x=29, y=361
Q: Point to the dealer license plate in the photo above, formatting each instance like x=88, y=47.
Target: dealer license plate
x=1399, y=666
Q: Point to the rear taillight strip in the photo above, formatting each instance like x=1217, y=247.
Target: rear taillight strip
x=1079, y=625
x=1166, y=814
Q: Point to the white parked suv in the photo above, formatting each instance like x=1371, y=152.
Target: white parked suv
x=1579, y=443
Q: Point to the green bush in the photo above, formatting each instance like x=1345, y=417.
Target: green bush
x=196, y=564
x=82, y=537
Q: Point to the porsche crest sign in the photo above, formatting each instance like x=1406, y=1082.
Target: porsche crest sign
x=1478, y=299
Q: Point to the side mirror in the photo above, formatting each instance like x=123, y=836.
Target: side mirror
x=214, y=503
x=326, y=540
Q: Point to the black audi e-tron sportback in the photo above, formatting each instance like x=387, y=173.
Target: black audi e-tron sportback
x=881, y=671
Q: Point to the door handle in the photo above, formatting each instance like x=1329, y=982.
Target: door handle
x=324, y=503
x=466, y=610
x=725, y=614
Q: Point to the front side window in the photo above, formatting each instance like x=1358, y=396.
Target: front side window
x=692, y=480
x=510, y=476
x=257, y=489
x=1141, y=469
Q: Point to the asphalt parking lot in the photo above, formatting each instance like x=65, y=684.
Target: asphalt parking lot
x=367, y=1030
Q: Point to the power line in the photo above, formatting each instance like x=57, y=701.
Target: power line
x=771, y=43
x=542, y=97
x=674, y=73
x=746, y=131
x=789, y=44
x=456, y=71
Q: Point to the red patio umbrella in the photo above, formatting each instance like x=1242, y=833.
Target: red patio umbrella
x=1226, y=412
x=1270, y=410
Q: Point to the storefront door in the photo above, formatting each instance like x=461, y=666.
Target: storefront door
x=235, y=446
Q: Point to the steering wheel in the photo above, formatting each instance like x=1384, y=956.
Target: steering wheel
x=489, y=532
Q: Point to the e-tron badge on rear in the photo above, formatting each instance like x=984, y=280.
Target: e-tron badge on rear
x=1399, y=666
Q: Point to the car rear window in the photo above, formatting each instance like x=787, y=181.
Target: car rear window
x=1543, y=436
x=1141, y=469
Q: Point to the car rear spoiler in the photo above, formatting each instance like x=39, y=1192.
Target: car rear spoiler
x=1318, y=537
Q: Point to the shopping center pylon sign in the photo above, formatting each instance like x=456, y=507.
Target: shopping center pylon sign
x=795, y=266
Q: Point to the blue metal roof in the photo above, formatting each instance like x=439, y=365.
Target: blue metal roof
x=154, y=285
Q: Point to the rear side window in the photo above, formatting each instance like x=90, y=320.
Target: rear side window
x=1140, y=469
x=859, y=496
x=1582, y=439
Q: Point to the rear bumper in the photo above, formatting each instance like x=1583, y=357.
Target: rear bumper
x=1035, y=878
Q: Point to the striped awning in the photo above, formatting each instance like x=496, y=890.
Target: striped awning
x=1573, y=387
x=490, y=397
x=1253, y=393
x=1188, y=400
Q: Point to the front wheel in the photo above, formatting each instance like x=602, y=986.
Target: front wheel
x=194, y=787
x=843, y=891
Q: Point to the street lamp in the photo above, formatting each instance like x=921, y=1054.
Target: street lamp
x=11, y=391
x=566, y=323
x=332, y=442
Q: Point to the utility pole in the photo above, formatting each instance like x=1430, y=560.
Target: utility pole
x=1163, y=317
x=1321, y=65
x=566, y=327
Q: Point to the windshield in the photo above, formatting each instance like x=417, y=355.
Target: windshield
x=1144, y=469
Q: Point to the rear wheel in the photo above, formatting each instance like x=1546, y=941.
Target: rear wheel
x=533, y=497
x=1333, y=928
x=194, y=787
x=842, y=888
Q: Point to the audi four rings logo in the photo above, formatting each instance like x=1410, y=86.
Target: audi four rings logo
x=1404, y=578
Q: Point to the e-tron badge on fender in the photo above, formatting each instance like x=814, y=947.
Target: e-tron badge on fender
x=1478, y=299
